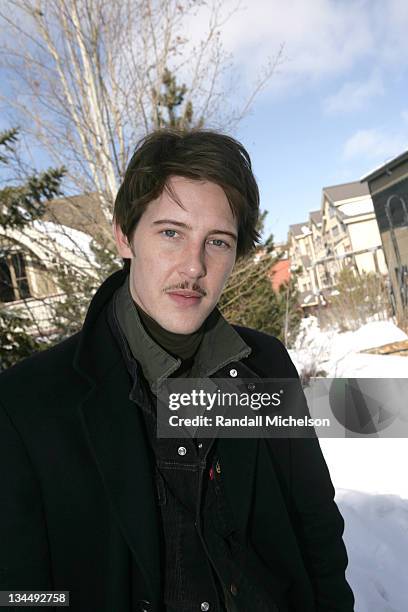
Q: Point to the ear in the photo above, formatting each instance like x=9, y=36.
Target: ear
x=122, y=243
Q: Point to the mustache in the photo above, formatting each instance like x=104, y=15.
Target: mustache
x=185, y=285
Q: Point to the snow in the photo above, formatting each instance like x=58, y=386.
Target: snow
x=74, y=240
x=369, y=474
x=376, y=538
x=338, y=354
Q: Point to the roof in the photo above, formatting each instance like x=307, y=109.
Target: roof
x=81, y=212
x=386, y=167
x=296, y=228
x=346, y=191
x=316, y=216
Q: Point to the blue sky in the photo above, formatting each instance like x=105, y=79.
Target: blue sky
x=338, y=107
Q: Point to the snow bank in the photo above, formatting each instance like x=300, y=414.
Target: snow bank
x=376, y=538
x=369, y=474
x=338, y=353
x=372, y=465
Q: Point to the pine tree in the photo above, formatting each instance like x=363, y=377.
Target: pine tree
x=20, y=204
x=168, y=103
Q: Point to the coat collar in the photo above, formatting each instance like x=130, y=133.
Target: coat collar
x=91, y=360
x=220, y=344
x=114, y=429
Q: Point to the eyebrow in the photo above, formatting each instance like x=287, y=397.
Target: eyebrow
x=186, y=226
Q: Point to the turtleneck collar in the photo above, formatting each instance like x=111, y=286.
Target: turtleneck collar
x=218, y=342
x=183, y=346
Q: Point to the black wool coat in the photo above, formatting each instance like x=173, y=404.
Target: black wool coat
x=77, y=506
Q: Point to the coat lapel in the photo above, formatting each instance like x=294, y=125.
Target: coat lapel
x=114, y=430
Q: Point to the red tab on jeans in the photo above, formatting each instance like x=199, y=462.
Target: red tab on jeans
x=211, y=473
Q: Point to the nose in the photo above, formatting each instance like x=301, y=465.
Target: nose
x=192, y=264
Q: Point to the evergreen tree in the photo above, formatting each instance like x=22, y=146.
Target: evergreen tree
x=69, y=314
x=168, y=104
x=20, y=204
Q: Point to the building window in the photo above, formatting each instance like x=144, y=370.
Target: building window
x=335, y=230
x=13, y=277
x=332, y=211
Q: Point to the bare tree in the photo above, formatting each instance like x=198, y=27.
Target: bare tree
x=86, y=78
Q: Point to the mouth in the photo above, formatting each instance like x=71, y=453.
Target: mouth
x=185, y=298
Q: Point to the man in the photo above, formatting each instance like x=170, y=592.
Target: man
x=93, y=501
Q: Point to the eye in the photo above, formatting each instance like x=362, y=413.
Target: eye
x=220, y=243
x=169, y=233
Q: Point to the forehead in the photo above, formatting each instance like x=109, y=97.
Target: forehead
x=198, y=200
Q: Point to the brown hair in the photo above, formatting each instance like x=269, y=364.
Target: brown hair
x=196, y=154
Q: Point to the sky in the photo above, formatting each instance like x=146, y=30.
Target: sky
x=336, y=109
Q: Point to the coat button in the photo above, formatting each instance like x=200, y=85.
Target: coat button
x=205, y=606
x=181, y=450
x=144, y=605
x=251, y=386
x=233, y=589
x=233, y=373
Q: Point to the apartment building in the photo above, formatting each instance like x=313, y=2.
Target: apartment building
x=302, y=253
x=388, y=187
x=342, y=234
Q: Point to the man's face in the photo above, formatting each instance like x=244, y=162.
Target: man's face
x=181, y=257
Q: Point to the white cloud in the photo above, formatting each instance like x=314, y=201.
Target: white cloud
x=354, y=96
x=389, y=22
x=375, y=144
x=323, y=39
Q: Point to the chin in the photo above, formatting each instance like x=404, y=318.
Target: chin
x=183, y=327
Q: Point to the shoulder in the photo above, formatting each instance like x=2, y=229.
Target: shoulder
x=45, y=369
x=267, y=351
x=261, y=342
